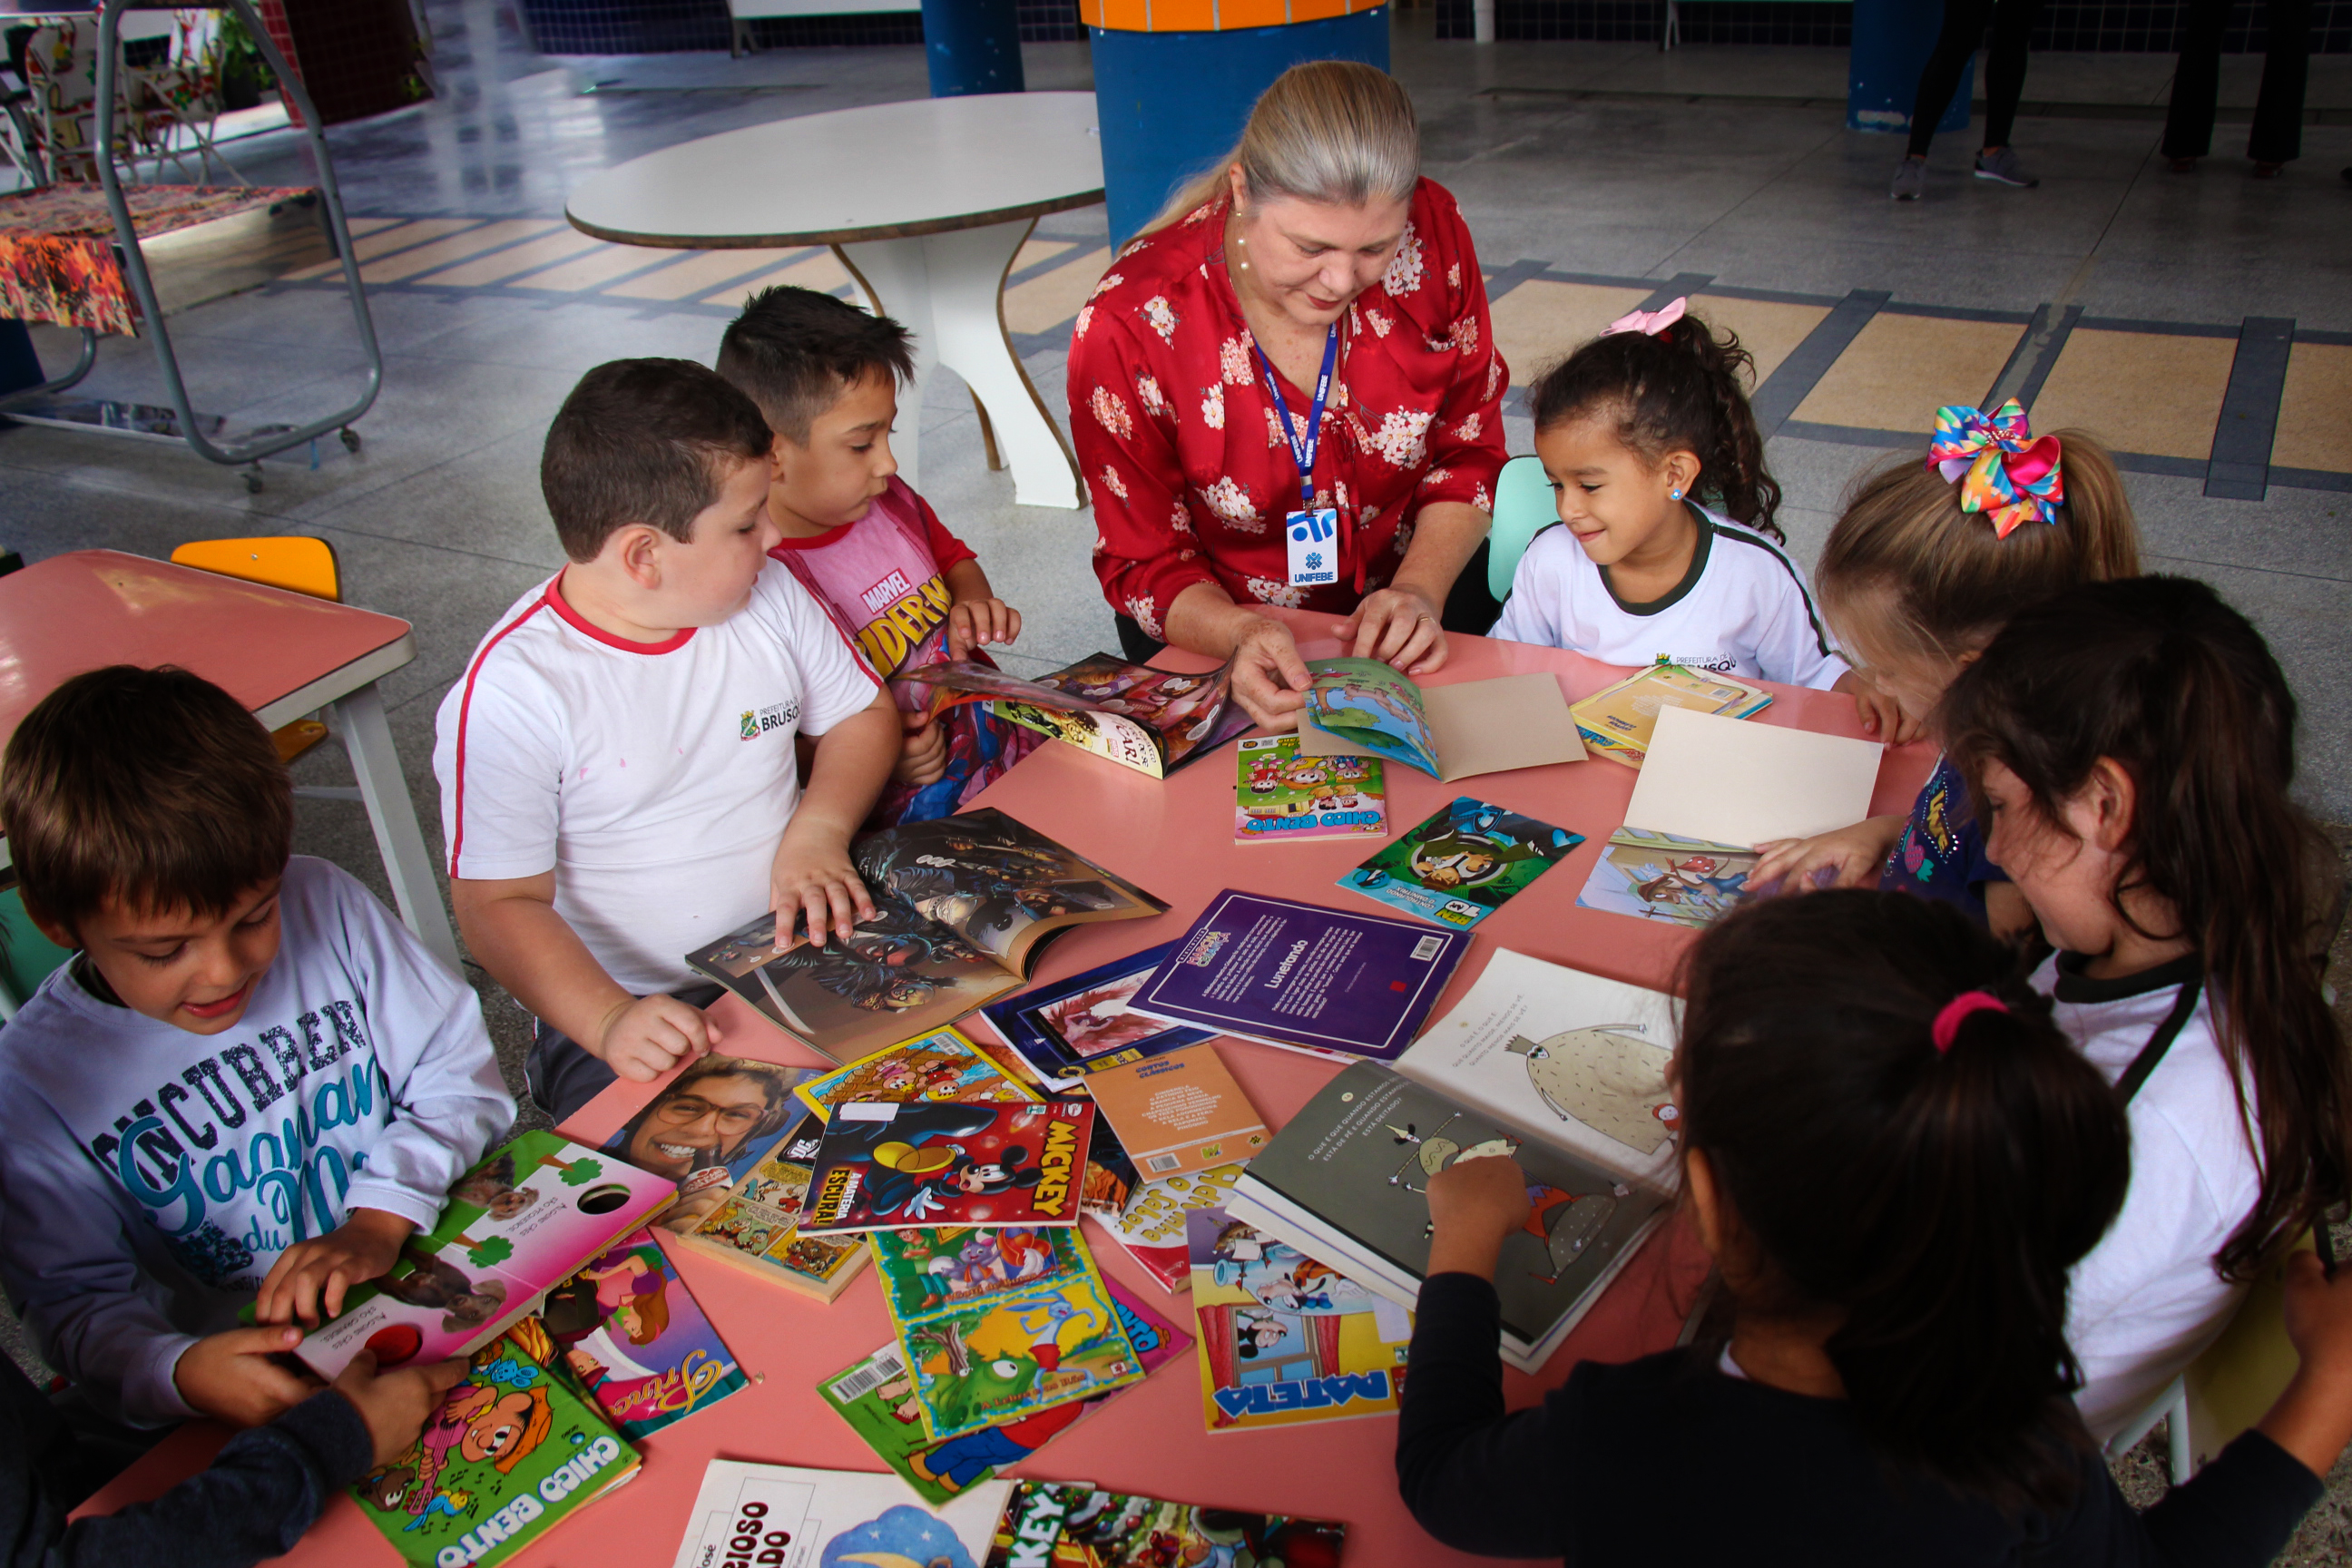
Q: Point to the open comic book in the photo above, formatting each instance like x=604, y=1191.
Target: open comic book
x=962, y=906
x=1153, y=720
x=1361, y=707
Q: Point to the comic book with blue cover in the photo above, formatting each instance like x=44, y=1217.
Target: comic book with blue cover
x=1468, y=860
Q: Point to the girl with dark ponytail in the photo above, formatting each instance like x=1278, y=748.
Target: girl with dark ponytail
x=1667, y=545
x=1896, y=1160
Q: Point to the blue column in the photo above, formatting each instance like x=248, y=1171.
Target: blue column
x=972, y=45
x=1892, y=40
x=1171, y=103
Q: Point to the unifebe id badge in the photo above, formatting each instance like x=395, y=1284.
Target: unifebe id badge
x=1312, y=539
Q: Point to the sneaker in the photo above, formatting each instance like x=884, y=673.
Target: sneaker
x=1910, y=180
x=2003, y=167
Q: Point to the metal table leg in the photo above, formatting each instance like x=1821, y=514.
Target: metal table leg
x=358, y=721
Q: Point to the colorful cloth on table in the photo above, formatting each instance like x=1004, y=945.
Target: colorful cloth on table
x=56, y=246
x=1182, y=449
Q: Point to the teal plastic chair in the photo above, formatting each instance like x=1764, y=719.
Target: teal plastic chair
x=25, y=955
x=1523, y=507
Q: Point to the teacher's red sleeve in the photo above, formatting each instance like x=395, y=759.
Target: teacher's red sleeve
x=1466, y=439
x=1146, y=551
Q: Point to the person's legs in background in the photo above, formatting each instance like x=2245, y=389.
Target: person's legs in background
x=2277, y=137
x=2012, y=35
x=2195, y=85
x=1964, y=23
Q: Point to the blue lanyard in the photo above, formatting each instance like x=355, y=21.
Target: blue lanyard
x=1304, y=451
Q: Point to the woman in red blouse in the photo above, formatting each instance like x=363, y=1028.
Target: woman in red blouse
x=1318, y=235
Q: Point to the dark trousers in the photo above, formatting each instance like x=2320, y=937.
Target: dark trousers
x=1964, y=28
x=2277, y=136
x=561, y=1074
x=1469, y=608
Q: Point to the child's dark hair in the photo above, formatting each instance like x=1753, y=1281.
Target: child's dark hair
x=644, y=441
x=795, y=350
x=151, y=789
x=2178, y=690
x=1928, y=1201
x=1676, y=391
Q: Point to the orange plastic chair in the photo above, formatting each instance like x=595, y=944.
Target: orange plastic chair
x=291, y=562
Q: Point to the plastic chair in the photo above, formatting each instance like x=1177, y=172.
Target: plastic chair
x=300, y=565
x=1524, y=508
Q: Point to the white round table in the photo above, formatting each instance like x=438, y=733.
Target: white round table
x=926, y=202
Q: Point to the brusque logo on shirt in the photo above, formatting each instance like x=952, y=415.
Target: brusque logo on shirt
x=1717, y=662
x=774, y=716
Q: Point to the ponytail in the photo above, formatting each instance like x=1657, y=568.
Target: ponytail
x=1680, y=389
x=1927, y=1173
x=1337, y=131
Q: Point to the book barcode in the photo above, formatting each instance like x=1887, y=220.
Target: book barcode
x=1427, y=948
x=869, y=1377
x=1163, y=1163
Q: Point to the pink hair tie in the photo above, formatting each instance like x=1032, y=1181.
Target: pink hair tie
x=1946, y=1026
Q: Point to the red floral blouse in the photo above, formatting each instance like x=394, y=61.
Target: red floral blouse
x=1180, y=442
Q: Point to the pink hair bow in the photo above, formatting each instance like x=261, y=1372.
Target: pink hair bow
x=1649, y=323
x=2002, y=469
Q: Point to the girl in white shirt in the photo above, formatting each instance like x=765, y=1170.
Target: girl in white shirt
x=1666, y=547
x=2130, y=745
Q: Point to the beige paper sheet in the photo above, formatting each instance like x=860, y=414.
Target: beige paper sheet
x=1735, y=781
x=1482, y=727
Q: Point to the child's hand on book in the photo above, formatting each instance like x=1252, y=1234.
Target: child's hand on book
x=1846, y=858
x=647, y=1035
x=814, y=884
x=233, y=1377
x=971, y=622
x=923, y=759
x=1472, y=1205
x=394, y=1405
x=309, y=1278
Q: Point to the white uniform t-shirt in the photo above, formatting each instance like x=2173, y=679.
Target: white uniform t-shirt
x=2146, y=1301
x=655, y=779
x=1742, y=609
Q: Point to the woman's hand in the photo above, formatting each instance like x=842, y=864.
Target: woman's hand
x=1400, y=628
x=1269, y=677
x=1851, y=854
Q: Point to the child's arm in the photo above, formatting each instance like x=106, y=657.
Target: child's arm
x=1852, y=855
x=812, y=882
x=975, y=613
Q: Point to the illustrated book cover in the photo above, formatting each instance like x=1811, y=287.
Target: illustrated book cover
x=1792, y=783
x=1284, y=972
x=1281, y=796
x=962, y=906
x=1153, y=720
x=877, y=1397
x=1662, y=876
x=888, y=1166
x=517, y=1224
x=1068, y=1028
x=1468, y=860
x=1287, y=1339
x=754, y=1223
x=1361, y=707
x=507, y=1454
x=708, y=1126
x=1616, y=722
x=1178, y=1113
x=1151, y=1227
x=779, y=1516
x=632, y=1337
x=1057, y=1524
x=940, y=1065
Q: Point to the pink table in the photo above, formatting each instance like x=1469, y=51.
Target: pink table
x=1174, y=838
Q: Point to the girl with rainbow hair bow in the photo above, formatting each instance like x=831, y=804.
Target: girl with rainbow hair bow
x=1926, y=564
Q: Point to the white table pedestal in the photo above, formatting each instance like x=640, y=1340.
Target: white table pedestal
x=945, y=290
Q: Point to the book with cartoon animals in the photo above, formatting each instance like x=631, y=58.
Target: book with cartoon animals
x=518, y=1224
x=1153, y=720
x=1361, y=707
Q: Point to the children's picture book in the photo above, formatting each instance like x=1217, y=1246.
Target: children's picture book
x=1465, y=862
x=507, y=1455
x=779, y=1516
x=1276, y=970
x=1616, y=722
x=1178, y=1113
x=962, y=905
x=1715, y=778
x=1285, y=1339
x=1153, y=720
x=1069, y=1525
x=1281, y=795
x=1361, y=707
x=1152, y=1227
x=517, y=1224
x=1111, y=1176
x=877, y=1397
x=630, y=1336
x=1661, y=877
x=755, y=1223
x=1071, y=1027
x=886, y=1166
x=940, y=1066
x=1347, y=1181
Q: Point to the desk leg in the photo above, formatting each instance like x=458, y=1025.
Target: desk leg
x=360, y=723
x=948, y=289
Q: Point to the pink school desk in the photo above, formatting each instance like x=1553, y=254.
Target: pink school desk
x=1175, y=839
x=282, y=654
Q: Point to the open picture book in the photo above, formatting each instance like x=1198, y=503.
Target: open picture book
x=1562, y=1070
x=1361, y=707
x=962, y=906
x=1153, y=720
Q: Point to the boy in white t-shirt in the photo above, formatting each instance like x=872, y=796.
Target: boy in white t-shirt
x=618, y=783
x=827, y=376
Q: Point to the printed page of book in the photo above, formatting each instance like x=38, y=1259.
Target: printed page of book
x=1178, y=1113
x=1737, y=783
x=1563, y=1057
x=834, y=1515
x=1361, y=707
x=1477, y=727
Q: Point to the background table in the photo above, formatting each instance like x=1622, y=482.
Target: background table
x=1176, y=839
x=926, y=202
x=282, y=654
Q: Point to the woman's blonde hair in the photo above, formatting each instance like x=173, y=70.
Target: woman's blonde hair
x=1327, y=131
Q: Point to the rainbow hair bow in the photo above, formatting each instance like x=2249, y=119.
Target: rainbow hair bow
x=2002, y=469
